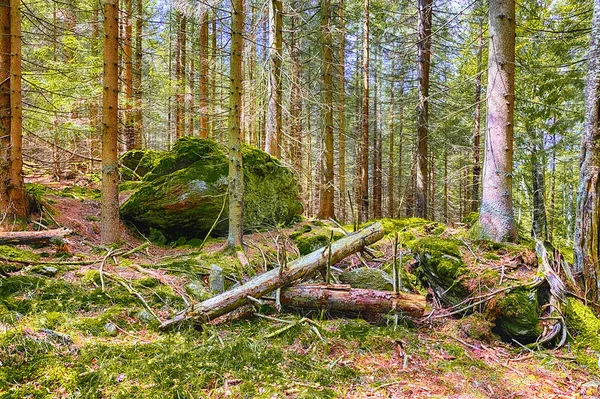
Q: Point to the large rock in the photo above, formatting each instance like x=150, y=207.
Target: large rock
x=367, y=278
x=183, y=194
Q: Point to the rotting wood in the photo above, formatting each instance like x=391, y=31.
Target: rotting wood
x=275, y=278
x=33, y=237
x=341, y=297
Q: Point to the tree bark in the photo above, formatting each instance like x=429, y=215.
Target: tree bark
x=342, y=110
x=180, y=59
x=273, y=136
x=276, y=278
x=424, y=56
x=477, y=125
x=587, y=228
x=364, y=164
x=297, y=144
x=496, y=215
x=109, y=218
x=236, y=174
x=391, y=168
x=326, y=204
x=377, y=181
x=539, y=221
x=345, y=299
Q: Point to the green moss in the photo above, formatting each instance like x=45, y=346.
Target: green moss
x=491, y=256
x=476, y=326
x=80, y=193
x=138, y=163
x=148, y=282
x=12, y=254
x=441, y=267
x=314, y=239
x=516, y=315
x=584, y=326
x=368, y=278
x=471, y=219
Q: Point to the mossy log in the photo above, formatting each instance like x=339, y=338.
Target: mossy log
x=33, y=237
x=341, y=297
x=277, y=278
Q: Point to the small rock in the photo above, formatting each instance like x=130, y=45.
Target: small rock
x=196, y=290
x=111, y=329
x=367, y=278
x=216, y=280
x=48, y=271
x=145, y=316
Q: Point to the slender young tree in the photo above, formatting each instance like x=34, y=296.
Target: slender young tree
x=424, y=55
x=13, y=200
x=364, y=163
x=180, y=62
x=236, y=174
x=109, y=218
x=587, y=227
x=342, y=110
x=129, y=131
x=203, y=81
x=391, y=167
x=137, y=74
x=273, y=135
x=477, y=124
x=296, y=146
x=326, y=204
x=377, y=147
x=496, y=215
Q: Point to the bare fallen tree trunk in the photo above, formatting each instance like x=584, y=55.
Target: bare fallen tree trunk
x=277, y=278
x=33, y=237
x=341, y=297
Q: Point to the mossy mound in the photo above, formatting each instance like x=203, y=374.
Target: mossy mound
x=317, y=234
x=441, y=267
x=516, y=315
x=367, y=278
x=186, y=190
x=584, y=326
x=138, y=163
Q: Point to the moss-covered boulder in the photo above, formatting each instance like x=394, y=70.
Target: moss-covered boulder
x=367, y=278
x=584, y=327
x=135, y=164
x=317, y=234
x=185, y=191
x=440, y=266
x=516, y=315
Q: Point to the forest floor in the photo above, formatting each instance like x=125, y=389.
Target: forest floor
x=67, y=330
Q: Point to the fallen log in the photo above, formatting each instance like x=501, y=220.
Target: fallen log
x=341, y=297
x=276, y=278
x=33, y=237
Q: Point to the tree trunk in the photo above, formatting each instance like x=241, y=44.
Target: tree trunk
x=477, y=123
x=296, y=151
x=587, y=228
x=496, y=215
x=236, y=174
x=275, y=278
x=539, y=223
x=391, y=168
x=326, y=204
x=364, y=163
x=342, y=110
x=273, y=136
x=128, y=76
x=109, y=218
x=402, y=189
x=180, y=59
x=137, y=75
x=32, y=237
x=424, y=56
x=204, y=108
x=342, y=298
x=377, y=181
x=189, y=88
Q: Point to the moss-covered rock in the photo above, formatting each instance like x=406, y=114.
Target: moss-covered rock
x=584, y=326
x=441, y=267
x=138, y=163
x=309, y=239
x=516, y=315
x=367, y=278
x=185, y=192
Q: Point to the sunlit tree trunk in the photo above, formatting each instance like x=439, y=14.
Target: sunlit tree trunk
x=496, y=214
x=273, y=137
x=539, y=223
x=391, y=166
x=296, y=147
x=587, y=228
x=377, y=175
x=109, y=219
x=13, y=200
x=95, y=130
x=326, y=204
x=364, y=163
x=180, y=77
x=236, y=174
x=424, y=56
